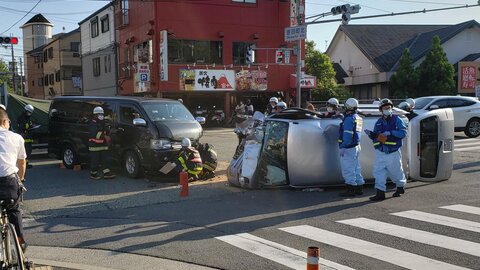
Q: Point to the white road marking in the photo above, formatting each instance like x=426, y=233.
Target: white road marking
x=463, y=208
x=281, y=254
x=415, y=235
x=463, y=149
x=441, y=220
x=379, y=252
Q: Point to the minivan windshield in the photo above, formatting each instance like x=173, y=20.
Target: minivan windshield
x=420, y=103
x=163, y=111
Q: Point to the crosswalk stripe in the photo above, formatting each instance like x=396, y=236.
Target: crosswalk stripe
x=467, y=140
x=441, y=220
x=415, y=235
x=466, y=148
x=379, y=252
x=281, y=254
x=463, y=208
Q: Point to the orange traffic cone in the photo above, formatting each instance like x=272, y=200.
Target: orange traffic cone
x=313, y=254
x=184, y=184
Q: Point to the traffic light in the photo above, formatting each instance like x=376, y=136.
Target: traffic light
x=279, y=56
x=250, y=55
x=8, y=40
x=346, y=10
x=345, y=18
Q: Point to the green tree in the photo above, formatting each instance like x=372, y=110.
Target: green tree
x=4, y=73
x=404, y=82
x=435, y=73
x=319, y=64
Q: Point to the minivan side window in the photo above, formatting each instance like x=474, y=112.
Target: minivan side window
x=128, y=113
x=78, y=111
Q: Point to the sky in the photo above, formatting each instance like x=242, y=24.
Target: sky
x=65, y=14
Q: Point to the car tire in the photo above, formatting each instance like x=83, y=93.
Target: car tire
x=472, y=129
x=132, y=165
x=69, y=156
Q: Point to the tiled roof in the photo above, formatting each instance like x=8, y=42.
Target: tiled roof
x=384, y=44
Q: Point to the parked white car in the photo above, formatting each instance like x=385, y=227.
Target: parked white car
x=466, y=111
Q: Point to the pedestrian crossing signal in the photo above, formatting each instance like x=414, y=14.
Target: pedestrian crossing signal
x=8, y=40
x=279, y=56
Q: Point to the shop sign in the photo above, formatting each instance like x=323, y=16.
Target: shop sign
x=207, y=80
x=142, y=78
x=251, y=80
x=469, y=77
x=307, y=81
x=163, y=55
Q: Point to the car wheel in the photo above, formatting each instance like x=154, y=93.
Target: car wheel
x=69, y=156
x=132, y=165
x=472, y=129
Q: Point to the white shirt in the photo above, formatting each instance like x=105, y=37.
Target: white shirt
x=12, y=148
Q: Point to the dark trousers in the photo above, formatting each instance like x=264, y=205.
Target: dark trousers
x=9, y=189
x=99, y=161
x=28, y=149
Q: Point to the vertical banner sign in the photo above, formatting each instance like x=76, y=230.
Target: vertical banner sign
x=293, y=12
x=469, y=77
x=163, y=55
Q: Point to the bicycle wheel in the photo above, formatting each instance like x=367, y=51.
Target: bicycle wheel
x=14, y=255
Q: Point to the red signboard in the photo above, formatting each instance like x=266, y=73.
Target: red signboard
x=468, y=77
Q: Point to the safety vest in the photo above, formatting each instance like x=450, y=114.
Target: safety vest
x=96, y=138
x=24, y=123
x=209, y=157
x=393, y=143
x=190, y=160
x=355, y=131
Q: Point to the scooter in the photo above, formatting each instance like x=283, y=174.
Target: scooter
x=217, y=116
x=200, y=112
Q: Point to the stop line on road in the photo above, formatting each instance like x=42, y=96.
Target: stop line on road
x=295, y=259
x=463, y=145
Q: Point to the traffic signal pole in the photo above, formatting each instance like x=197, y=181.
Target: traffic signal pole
x=13, y=71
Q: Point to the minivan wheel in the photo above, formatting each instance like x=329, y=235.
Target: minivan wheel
x=69, y=156
x=472, y=129
x=132, y=165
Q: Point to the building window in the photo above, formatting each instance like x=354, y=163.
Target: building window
x=45, y=80
x=105, y=23
x=57, y=76
x=94, y=27
x=240, y=52
x=45, y=56
x=124, y=12
x=195, y=51
x=50, y=53
x=75, y=46
x=245, y=1
x=40, y=82
x=96, y=66
x=105, y=63
x=109, y=59
x=33, y=82
x=51, y=79
x=143, y=52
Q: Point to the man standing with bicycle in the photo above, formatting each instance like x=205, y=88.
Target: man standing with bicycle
x=12, y=172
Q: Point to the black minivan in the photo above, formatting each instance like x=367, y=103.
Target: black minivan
x=146, y=133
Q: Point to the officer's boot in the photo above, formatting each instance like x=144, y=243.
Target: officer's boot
x=399, y=192
x=349, y=192
x=380, y=196
x=358, y=190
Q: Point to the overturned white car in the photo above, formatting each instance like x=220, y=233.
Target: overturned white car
x=298, y=148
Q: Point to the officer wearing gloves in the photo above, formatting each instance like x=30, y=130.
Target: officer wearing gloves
x=349, y=148
x=24, y=125
x=387, y=139
x=98, y=146
x=332, y=109
x=189, y=160
x=272, y=103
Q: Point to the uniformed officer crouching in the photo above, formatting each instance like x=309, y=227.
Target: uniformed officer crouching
x=12, y=172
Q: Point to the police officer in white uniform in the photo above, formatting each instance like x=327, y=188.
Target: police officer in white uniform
x=12, y=170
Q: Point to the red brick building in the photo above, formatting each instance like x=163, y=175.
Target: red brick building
x=197, y=50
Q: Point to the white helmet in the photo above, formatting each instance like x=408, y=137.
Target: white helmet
x=98, y=110
x=333, y=102
x=3, y=107
x=351, y=104
x=181, y=100
x=274, y=99
x=404, y=105
x=282, y=105
x=186, y=142
x=410, y=102
x=29, y=108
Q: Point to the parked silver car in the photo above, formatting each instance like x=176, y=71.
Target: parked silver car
x=300, y=149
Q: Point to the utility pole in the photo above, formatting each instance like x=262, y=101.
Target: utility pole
x=22, y=86
x=299, y=55
x=13, y=71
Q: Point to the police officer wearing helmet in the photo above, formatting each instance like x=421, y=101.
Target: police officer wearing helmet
x=332, y=109
x=280, y=106
x=387, y=140
x=24, y=125
x=98, y=142
x=272, y=103
x=189, y=160
x=407, y=107
x=12, y=172
x=349, y=148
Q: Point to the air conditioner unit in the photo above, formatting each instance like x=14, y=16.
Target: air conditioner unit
x=350, y=69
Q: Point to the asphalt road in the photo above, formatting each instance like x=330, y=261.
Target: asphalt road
x=144, y=224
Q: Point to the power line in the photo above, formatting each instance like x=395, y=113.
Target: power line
x=22, y=17
x=425, y=2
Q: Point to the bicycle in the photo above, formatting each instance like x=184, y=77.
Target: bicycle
x=11, y=255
